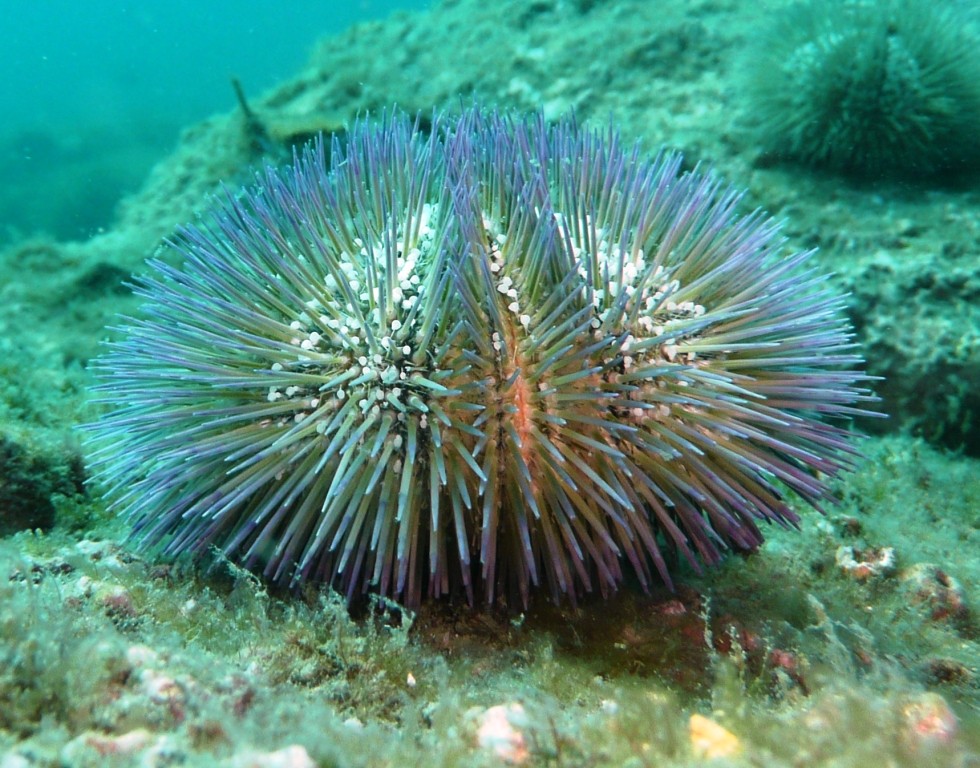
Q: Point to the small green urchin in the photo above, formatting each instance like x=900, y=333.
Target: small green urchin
x=490, y=357
x=869, y=87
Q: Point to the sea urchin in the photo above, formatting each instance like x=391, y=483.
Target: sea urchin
x=869, y=87
x=482, y=358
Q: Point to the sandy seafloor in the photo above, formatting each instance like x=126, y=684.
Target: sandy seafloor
x=783, y=658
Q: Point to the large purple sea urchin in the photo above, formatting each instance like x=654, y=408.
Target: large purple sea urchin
x=490, y=357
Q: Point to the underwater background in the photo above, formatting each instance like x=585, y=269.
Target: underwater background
x=852, y=641
x=95, y=93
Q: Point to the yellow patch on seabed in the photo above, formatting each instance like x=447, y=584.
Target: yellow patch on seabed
x=710, y=740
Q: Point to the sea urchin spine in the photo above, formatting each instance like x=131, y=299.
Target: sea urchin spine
x=487, y=357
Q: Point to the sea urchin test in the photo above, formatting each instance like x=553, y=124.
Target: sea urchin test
x=488, y=358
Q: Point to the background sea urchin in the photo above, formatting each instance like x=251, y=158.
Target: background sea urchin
x=488, y=357
x=869, y=87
